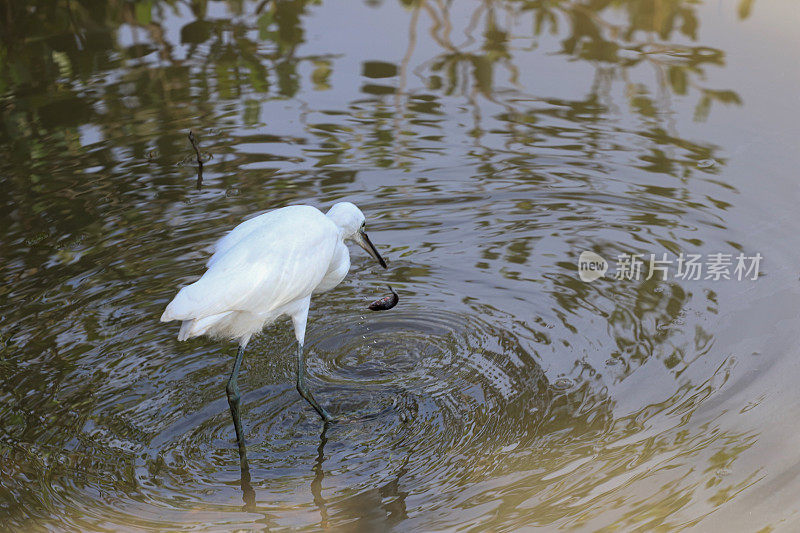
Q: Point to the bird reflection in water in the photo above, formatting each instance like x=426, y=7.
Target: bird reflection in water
x=249, y=494
x=377, y=508
x=319, y=475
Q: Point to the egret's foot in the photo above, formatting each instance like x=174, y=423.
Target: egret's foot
x=326, y=417
x=303, y=390
x=349, y=418
x=306, y=394
x=323, y=413
x=361, y=417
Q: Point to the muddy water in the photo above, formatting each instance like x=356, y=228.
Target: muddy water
x=489, y=144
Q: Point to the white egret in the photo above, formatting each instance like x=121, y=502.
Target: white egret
x=264, y=268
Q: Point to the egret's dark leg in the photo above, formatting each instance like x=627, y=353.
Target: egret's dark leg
x=301, y=386
x=232, y=389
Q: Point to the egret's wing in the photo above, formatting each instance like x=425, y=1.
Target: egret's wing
x=216, y=292
x=277, y=217
x=264, y=269
x=237, y=234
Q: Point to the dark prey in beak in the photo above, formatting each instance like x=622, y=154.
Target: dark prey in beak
x=387, y=302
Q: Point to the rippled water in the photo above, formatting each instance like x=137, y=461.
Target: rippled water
x=489, y=144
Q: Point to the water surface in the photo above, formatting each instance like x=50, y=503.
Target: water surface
x=489, y=144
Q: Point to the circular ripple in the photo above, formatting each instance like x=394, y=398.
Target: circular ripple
x=428, y=385
x=416, y=394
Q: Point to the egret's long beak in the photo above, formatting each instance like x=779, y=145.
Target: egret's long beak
x=363, y=241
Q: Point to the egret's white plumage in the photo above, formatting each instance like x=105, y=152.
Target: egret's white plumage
x=267, y=267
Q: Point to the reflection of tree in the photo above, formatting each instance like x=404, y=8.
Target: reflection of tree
x=81, y=109
x=55, y=56
x=651, y=37
x=645, y=39
x=76, y=94
x=614, y=49
x=225, y=60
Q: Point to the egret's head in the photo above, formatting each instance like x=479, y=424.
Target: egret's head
x=351, y=222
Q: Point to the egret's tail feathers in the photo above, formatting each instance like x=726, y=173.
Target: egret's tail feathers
x=218, y=291
x=167, y=316
x=179, y=308
x=198, y=326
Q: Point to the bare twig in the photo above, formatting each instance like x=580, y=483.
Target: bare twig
x=193, y=140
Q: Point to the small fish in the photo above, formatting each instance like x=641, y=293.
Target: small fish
x=387, y=302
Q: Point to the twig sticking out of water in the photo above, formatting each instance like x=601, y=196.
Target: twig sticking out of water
x=193, y=140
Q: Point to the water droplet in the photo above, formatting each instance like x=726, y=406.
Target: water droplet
x=706, y=163
x=231, y=192
x=563, y=383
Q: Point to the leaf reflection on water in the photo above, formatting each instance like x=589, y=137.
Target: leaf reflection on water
x=489, y=141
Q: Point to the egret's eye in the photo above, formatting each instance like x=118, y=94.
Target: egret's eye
x=363, y=225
